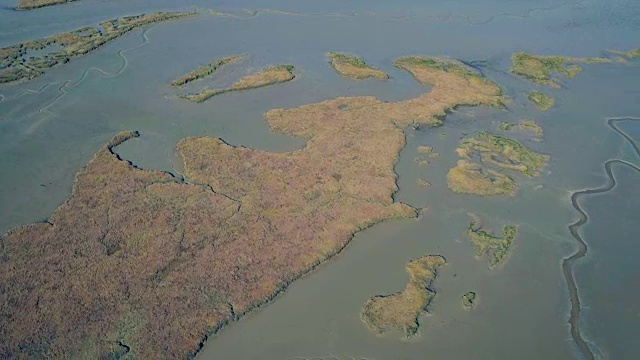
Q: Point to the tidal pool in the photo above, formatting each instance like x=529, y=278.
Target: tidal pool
x=52, y=126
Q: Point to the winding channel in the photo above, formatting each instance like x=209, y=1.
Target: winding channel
x=568, y=262
x=68, y=84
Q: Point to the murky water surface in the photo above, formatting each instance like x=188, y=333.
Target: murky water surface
x=50, y=127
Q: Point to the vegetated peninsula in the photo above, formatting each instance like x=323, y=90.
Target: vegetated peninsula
x=543, y=101
x=486, y=243
x=268, y=76
x=143, y=263
x=205, y=70
x=540, y=68
x=18, y=63
x=524, y=125
x=500, y=152
x=630, y=54
x=445, y=66
x=400, y=311
x=354, y=67
x=469, y=300
x=34, y=4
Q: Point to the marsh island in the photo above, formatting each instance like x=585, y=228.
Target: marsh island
x=541, y=69
x=469, y=300
x=400, y=311
x=629, y=54
x=486, y=243
x=240, y=227
x=524, y=125
x=265, y=77
x=354, y=67
x=17, y=63
x=468, y=177
x=503, y=153
x=34, y=4
x=543, y=101
x=205, y=70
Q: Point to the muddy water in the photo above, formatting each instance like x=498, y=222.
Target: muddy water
x=523, y=307
x=50, y=127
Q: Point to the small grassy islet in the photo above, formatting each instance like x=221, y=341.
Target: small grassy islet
x=354, y=67
x=543, y=101
x=469, y=300
x=524, y=125
x=34, y=4
x=497, y=248
x=268, y=76
x=400, y=311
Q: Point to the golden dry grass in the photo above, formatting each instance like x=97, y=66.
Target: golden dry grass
x=138, y=261
x=205, y=70
x=423, y=149
x=524, y=125
x=354, y=67
x=503, y=152
x=400, y=311
x=423, y=183
x=34, y=4
x=268, y=76
x=470, y=178
x=543, y=101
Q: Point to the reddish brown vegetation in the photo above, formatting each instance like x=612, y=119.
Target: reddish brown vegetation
x=137, y=261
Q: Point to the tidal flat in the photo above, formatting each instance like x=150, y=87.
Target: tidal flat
x=43, y=150
x=16, y=63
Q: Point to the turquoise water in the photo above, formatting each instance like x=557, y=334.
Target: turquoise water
x=50, y=127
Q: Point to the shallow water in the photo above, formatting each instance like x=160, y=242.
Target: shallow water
x=51, y=126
